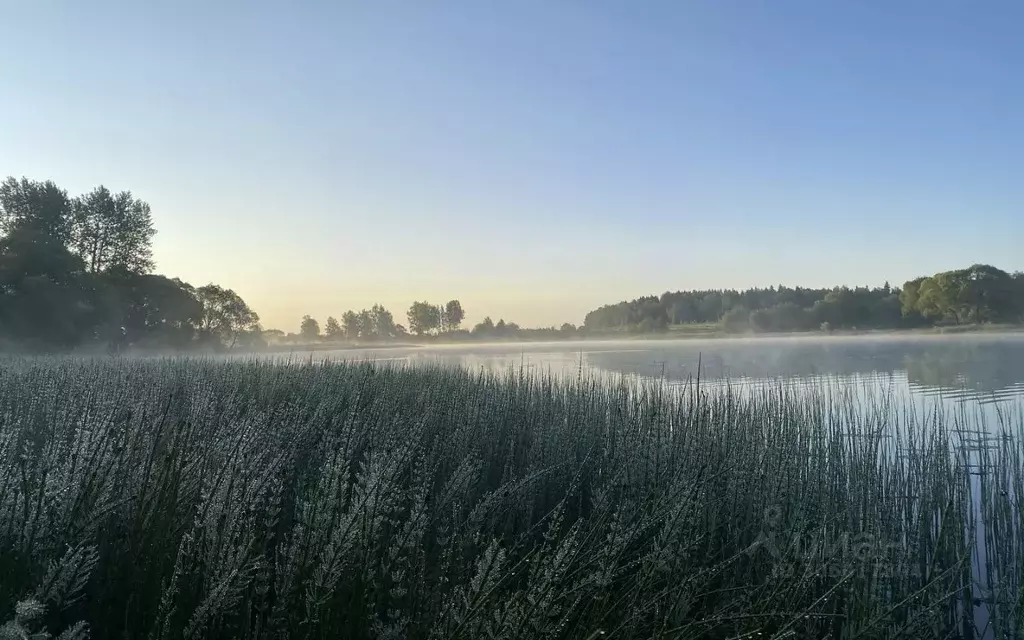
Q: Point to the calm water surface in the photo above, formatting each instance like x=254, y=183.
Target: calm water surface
x=982, y=369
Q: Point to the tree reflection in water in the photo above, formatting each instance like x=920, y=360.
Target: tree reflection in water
x=974, y=366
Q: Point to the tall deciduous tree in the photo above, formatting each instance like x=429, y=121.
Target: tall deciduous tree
x=367, y=329
x=423, y=318
x=909, y=296
x=155, y=310
x=989, y=294
x=310, y=328
x=453, y=315
x=484, y=327
x=332, y=329
x=73, y=273
x=225, y=314
x=113, y=232
x=38, y=209
x=383, y=322
x=350, y=324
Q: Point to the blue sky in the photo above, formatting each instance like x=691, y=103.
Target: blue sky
x=533, y=158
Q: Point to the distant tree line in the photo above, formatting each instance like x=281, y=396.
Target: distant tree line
x=425, y=321
x=978, y=294
x=76, y=273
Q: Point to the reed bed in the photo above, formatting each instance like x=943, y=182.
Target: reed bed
x=188, y=498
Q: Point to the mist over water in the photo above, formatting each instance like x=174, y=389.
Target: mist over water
x=983, y=369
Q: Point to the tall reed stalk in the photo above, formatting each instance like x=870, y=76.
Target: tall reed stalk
x=188, y=498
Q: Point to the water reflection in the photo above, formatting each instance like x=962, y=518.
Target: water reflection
x=978, y=368
x=981, y=368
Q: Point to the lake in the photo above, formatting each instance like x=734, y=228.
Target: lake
x=977, y=381
x=982, y=369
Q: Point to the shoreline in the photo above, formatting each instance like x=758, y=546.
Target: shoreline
x=670, y=335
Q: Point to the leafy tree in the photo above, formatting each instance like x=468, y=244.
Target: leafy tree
x=423, y=318
x=367, y=326
x=41, y=209
x=484, y=328
x=453, y=315
x=383, y=322
x=939, y=297
x=332, y=330
x=113, y=232
x=225, y=315
x=787, y=316
x=251, y=338
x=157, y=311
x=25, y=252
x=309, y=329
x=989, y=292
x=45, y=316
x=350, y=324
x=501, y=329
x=910, y=295
x=74, y=273
x=46, y=302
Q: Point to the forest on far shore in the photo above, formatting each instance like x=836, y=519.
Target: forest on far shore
x=980, y=294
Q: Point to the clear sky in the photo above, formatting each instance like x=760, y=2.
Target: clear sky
x=534, y=158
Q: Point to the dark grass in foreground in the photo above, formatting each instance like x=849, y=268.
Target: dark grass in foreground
x=186, y=498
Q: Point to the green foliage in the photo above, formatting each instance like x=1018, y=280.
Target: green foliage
x=375, y=323
x=381, y=323
x=350, y=324
x=484, y=327
x=225, y=314
x=113, y=232
x=423, y=318
x=979, y=294
x=74, y=274
x=453, y=315
x=489, y=330
x=332, y=330
x=193, y=498
x=787, y=316
x=309, y=328
x=41, y=209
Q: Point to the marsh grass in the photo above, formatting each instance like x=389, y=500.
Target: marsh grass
x=187, y=498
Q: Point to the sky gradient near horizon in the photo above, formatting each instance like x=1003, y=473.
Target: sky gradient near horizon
x=535, y=158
